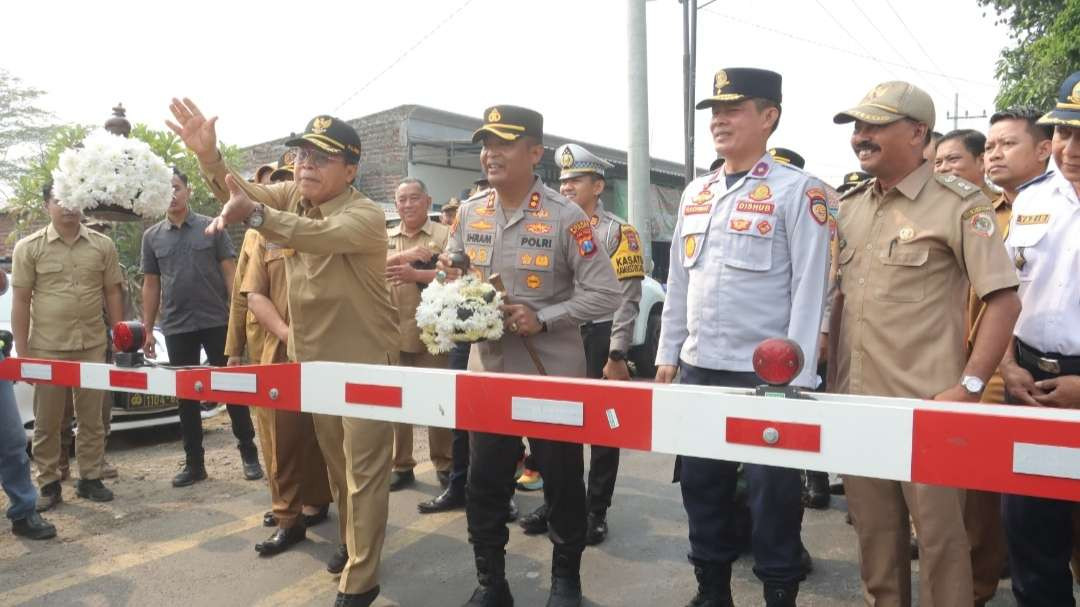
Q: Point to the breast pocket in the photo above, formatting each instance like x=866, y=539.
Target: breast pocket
x=748, y=241
x=903, y=275
x=91, y=273
x=534, y=272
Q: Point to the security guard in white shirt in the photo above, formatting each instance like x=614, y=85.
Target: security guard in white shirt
x=1043, y=367
x=749, y=261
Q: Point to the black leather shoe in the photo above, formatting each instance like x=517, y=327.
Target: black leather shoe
x=780, y=595
x=513, y=513
x=817, y=490
x=565, y=579
x=400, y=480
x=48, y=497
x=714, y=585
x=446, y=501
x=806, y=561
x=336, y=564
x=356, y=600
x=444, y=478
x=495, y=595
x=269, y=520
x=93, y=490
x=535, y=522
x=252, y=468
x=310, y=520
x=191, y=474
x=281, y=540
x=33, y=527
x=596, y=528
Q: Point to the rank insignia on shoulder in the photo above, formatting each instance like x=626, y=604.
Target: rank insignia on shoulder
x=491, y=198
x=594, y=221
x=534, y=201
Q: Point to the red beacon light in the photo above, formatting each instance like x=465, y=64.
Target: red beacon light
x=778, y=361
x=128, y=339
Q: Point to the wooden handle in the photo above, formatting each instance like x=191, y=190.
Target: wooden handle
x=496, y=281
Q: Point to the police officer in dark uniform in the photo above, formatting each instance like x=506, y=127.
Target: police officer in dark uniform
x=556, y=278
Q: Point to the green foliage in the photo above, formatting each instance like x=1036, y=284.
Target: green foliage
x=28, y=209
x=1046, y=35
x=21, y=123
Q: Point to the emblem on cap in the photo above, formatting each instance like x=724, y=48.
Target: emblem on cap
x=320, y=124
x=721, y=81
x=878, y=91
x=289, y=157
x=567, y=158
x=494, y=115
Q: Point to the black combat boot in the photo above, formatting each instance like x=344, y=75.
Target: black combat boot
x=493, y=590
x=781, y=595
x=714, y=584
x=565, y=578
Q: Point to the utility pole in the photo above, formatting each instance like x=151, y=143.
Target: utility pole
x=639, y=206
x=956, y=117
x=690, y=9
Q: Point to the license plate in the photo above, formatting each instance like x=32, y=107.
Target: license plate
x=147, y=402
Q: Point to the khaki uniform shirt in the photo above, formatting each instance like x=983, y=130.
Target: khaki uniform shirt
x=243, y=329
x=406, y=297
x=339, y=304
x=623, y=246
x=906, y=258
x=67, y=283
x=995, y=387
x=267, y=276
x=548, y=259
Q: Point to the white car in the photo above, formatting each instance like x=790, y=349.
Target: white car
x=129, y=411
x=646, y=337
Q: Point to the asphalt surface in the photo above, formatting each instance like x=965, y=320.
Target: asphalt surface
x=156, y=545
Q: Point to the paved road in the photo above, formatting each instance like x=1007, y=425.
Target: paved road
x=156, y=545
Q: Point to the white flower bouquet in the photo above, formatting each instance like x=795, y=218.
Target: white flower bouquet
x=110, y=170
x=463, y=310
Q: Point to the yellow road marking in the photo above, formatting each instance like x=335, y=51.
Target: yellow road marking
x=122, y=562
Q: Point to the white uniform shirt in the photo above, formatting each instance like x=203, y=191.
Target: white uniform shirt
x=1044, y=241
x=747, y=263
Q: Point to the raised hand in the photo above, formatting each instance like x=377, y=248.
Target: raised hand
x=238, y=209
x=198, y=133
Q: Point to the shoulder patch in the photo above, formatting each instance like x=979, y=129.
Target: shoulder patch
x=582, y=232
x=819, y=206
x=960, y=187
x=973, y=211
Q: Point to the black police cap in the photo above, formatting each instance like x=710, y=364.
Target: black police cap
x=510, y=122
x=331, y=135
x=738, y=83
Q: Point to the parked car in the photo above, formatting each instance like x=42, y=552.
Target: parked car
x=646, y=337
x=129, y=411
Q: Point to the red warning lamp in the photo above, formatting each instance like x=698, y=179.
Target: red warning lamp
x=778, y=361
x=128, y=339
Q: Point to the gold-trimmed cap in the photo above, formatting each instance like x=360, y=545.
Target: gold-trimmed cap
x=575, y=160
x=1067, y=110
x=891, y=101
x=788, y=156
x=738, y=83
x=510, y=122
x=331, y=135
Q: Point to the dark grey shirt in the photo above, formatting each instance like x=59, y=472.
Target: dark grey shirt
x=193, y=291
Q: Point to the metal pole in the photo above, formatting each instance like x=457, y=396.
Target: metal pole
x=639, y=204
x=956, y=111
x=691, y=74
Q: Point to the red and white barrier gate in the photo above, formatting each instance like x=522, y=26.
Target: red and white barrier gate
x=998, y=448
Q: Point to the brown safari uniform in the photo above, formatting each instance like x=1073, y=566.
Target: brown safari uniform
x=906, y=258
x=406, y=297
x=67, y=283
x=982, y=509
x=339, y=311
x=294, y=465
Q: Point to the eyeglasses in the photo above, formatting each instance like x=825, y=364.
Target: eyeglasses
x=315, y=157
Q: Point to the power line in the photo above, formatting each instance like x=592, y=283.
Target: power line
x=843, y=50
x=409, y=50
x=840, y=25
x=922, y=48
x=885, y=38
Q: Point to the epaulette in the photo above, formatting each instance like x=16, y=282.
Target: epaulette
x=856, y=188
x=1039, y=179
x=961, y=187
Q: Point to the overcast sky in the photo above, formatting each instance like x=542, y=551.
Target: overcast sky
x=266, y=67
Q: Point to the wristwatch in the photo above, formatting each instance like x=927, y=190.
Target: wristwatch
x=257, y=216
x=972, y=385
x=617, y=355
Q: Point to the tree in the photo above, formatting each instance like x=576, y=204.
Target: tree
x=22, y=122
x=1047, y=49
x=28, y=209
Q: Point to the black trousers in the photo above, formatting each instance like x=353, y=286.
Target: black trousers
x=1039, y=533
x=775, y=500
x=492, y=462
x=459, y=445
x=603, y=461
x=185, y=349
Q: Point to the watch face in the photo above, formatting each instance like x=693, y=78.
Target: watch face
x=973, y=385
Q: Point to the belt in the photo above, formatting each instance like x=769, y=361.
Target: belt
x=1054, y=364
x=595, y=323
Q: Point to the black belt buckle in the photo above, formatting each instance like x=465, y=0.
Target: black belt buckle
x=1048, y=365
